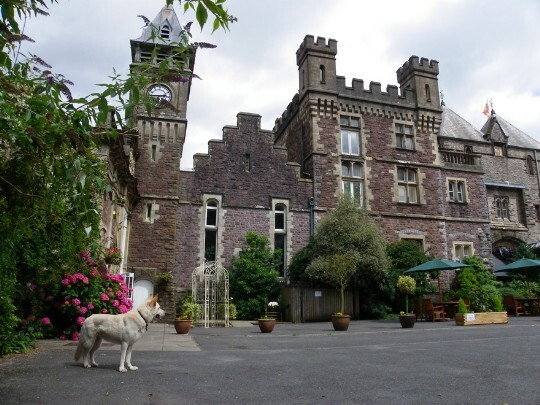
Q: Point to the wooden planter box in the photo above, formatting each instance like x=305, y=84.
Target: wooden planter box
x=481, y=318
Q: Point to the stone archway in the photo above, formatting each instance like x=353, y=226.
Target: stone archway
x=210, y=289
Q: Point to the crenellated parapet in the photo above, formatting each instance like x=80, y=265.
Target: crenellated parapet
x=375, y=93
x=417, y=65
x=321, y=46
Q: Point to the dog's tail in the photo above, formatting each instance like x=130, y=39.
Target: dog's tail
x=80, y=346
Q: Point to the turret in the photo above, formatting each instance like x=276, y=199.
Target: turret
x=316, y=65
x=420, y=75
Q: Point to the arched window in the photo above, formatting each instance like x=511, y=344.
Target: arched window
x=322, y=74
x=165, y=32
x=501, y=206
x=428, y=93
x=211, y=230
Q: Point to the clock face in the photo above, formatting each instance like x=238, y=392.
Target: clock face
x=160, y=93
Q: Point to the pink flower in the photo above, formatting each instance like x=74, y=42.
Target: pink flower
x=66, y=303
x=85, y=255
x=123, y=309
x=104, y=311
x=76, y=302
x=83, y=310
x=62, y=337
x=75, y=336
x=85, y=280
x=45, y=321
x=115, y=304
x=65, y=281
x=104, y=297
x=90, y=306
x=119, y=294
x=80, y=320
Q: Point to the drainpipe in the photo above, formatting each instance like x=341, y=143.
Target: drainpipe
x=311, y=216
x=537, y=173
x=123, y=240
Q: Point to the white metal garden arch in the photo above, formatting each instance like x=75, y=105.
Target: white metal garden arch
x=210, y=289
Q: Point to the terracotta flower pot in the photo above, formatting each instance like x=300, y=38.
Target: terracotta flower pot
x=341, y=322
x=182, y=326
x=267, y=325
x=407, y=320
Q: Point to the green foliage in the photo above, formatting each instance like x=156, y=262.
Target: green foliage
x=349, y=232
x=190, y=309
x=52, y=180
x=336, y=270
x=462, y=307
x=254, y=277
x=523, y=252
x=521, y=288
x=480, y=286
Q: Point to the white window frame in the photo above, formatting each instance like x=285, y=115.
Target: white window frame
x=457, y=190
x=352, y=184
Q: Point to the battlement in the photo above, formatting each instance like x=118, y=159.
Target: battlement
x=321, y=46
x=417, y=64
x=374, y=93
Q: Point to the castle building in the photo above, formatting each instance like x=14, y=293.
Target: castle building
x=421, y=171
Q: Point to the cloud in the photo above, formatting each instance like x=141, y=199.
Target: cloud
x=486, y=49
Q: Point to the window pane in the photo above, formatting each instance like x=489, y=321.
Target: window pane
x=460, y=191
x=413, y=196
x=345, y=170
x=409, y=143
x=346, y=188
x=279, y=244
x=344, y=142
x=401, y=174
x=399, y=141
x=402, y=193
x=280, y=220
x=211, y=216
x=355, y=144
x=344, y=120
x=355, y=122
x=357, y=170
x=451, y=191
x=411, y=176
x=407, y=130
x=210, y=243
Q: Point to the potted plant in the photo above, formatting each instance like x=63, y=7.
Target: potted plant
x=407, y=285
x=112, y=255
x=190, y=312
x=267, y=323
x=336, y=270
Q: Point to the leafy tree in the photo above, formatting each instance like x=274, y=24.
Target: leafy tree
x=52, y=179
x=254, y=277
x=336, y=270
x=348, y=231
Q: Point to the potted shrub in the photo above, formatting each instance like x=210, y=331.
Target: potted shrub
x=190, y=312
x=336, y=270
x=266, y=323
x=407, y=285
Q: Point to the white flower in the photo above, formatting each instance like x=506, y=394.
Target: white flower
x=273, y=304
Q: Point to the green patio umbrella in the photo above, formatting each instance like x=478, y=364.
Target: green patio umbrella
x=519, y=265
x=436, y=265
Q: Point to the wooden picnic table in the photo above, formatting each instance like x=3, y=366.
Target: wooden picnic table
x=531, y=306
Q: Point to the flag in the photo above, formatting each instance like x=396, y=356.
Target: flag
x=486, y=109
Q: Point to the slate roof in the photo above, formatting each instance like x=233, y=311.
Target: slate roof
x=166, y=16
x=500, y=130
x=454, y=126
x=495, y=129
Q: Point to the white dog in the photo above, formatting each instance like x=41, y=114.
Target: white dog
x=123, y=329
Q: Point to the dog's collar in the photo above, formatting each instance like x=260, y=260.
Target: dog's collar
x=144, y=319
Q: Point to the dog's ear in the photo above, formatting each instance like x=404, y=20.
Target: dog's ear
x=153, y=301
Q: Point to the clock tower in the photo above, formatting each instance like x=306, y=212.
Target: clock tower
x=161, y=135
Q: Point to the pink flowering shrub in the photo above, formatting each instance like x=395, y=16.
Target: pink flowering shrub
x=91, y=290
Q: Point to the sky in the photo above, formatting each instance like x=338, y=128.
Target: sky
x=487, y=50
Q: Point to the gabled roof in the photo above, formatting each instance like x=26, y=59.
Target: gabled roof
x=454, y=126
x=500, y=130
x=166, y=18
